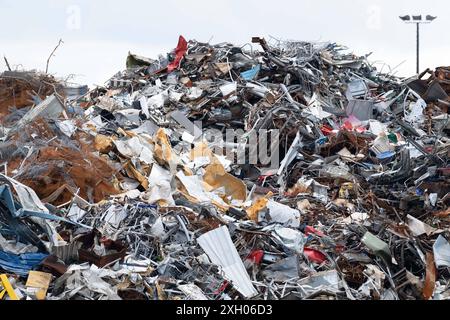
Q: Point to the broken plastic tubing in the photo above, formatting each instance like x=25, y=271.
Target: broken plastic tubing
x=220, y=249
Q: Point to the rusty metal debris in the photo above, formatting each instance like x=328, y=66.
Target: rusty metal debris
x=123, y=191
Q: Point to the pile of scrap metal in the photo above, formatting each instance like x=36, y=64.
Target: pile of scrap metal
x=123, y=192
x=22, y=89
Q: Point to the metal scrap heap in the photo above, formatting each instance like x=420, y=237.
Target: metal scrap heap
x=163, y=185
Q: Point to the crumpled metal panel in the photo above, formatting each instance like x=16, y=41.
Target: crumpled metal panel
x=220, y=249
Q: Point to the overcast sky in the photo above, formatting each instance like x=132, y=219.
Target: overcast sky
x=98, y=34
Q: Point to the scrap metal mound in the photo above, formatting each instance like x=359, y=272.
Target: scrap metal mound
x=58, y=168
x=17, y=89
x=276, y=170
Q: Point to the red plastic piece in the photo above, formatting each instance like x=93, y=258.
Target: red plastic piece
x=314, y=255
x=256, y=256
x=180, y=51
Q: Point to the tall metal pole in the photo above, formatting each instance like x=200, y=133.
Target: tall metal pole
x=418, y=47
x=418, y=20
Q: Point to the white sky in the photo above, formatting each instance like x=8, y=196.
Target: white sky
x=98, y=34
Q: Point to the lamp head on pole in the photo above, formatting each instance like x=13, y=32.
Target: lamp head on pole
x=406, y=18
x=418, y=18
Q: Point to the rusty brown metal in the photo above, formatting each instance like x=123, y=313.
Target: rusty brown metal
x=117, y=248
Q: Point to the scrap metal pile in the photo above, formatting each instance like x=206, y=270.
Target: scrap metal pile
x=122, y=192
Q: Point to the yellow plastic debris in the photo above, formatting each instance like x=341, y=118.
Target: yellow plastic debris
x=257, y=206
x=345, y=190
x=103, y=144
x=163, y=150
x=40, y=281
x=7, y=288
x=216, y=177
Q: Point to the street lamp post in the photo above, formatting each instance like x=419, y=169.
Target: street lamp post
x=418, y=20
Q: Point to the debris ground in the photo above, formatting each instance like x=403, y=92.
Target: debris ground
x=278, y=170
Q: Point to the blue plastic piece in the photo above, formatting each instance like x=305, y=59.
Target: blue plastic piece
x=386, y=155
x=251, y=74
x=322, y=141
x=20, y=264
